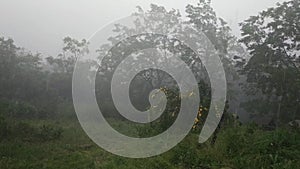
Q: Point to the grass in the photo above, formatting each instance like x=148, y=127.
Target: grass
x=245, y=146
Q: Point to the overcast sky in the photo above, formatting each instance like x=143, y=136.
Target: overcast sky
x=40, y=25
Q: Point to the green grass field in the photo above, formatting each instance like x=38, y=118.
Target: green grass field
x=245, y=146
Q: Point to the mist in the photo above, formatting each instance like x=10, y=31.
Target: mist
x=39, y=26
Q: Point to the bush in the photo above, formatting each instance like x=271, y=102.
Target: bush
x=29, y=133
x=24, y=110
x=21, y=110
x=251, y=147
x=4, y=131
x=49, y=132
x=185, y=155
x=24, y=131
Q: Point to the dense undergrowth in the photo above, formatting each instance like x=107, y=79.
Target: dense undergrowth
x=62, y=144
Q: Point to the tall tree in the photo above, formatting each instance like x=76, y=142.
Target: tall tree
x=203, y=17
x=273, y=40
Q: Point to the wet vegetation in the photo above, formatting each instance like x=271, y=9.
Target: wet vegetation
x=260, y=127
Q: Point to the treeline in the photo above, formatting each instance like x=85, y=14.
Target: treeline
x=36, y=86
x=32, y=85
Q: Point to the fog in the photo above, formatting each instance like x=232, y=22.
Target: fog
x=39, y=26
x=83, y=85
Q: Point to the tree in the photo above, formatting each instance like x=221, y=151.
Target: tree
x=203, y=17
x=61, y=70
x=157, y=19
x=23, y=83
x=72, y=49
x=273, y=40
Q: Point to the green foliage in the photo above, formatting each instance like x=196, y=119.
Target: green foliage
x=22, y=110
x=24, y=131
x=185, y=154
x=204, y=18
x=32, y=88
x=28, y=132
x=49, y=132
x=4, y=131
x=245, y=146
x=251, y=147
x=33, y=94
x=272, y=38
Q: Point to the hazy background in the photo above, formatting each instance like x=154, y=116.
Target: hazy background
x=40, y=25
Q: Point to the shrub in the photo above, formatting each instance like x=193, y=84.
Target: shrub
x=24, y=131
x=185, y=155
x=27, y=132
x=49, y=132
x=4, y=131
x=21, y=110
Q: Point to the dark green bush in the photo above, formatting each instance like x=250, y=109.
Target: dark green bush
x=49, y=132
x=185, y=155
x=15, y=109
x=22, y=110
x=4, y=130
x=24, y=131
x=30, y=133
